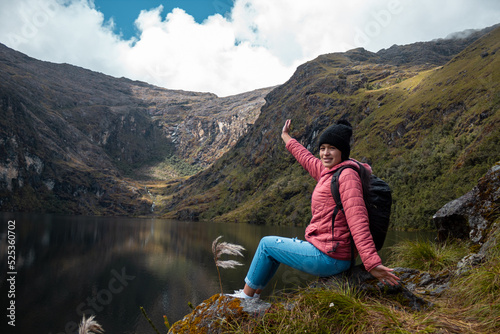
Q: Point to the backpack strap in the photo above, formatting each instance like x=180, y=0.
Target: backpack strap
x=334, y=187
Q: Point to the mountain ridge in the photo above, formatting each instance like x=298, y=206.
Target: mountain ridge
x=75, y=141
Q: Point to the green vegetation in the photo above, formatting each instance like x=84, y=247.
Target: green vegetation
x=426, y=255
x=171, y=168
x=339, y=310
x=322, y=310
x=478, y=291
x=445, y=127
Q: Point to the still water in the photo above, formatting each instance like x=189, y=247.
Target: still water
x=67, y=266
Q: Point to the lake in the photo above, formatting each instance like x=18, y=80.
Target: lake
x=66, y=266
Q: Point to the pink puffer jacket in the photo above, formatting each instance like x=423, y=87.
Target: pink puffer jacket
x=355, y=220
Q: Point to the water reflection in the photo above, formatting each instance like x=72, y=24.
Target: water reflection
x=70, y=265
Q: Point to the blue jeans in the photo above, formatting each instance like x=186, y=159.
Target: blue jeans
x=298, y=254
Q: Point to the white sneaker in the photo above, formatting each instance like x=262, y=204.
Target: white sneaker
x=242, y=295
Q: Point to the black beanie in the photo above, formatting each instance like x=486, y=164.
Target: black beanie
x=338, y=135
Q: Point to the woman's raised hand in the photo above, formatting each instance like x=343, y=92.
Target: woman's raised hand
x=285, y=132
x=286, y=127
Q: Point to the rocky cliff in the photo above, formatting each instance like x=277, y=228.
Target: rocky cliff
x=74, y=141
x=202, y=127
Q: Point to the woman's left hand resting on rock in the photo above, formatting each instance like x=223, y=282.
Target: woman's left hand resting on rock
x=385, y=275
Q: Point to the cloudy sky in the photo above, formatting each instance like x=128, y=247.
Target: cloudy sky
x=223, y=46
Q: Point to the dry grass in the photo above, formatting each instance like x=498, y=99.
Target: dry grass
x=219, y=249
x=426, y=255
x=90, y=326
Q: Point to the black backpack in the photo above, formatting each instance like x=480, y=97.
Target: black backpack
x=378, y=203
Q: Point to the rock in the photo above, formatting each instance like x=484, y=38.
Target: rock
x=467, y=216
x=468, y=262
x=255, y=307
x=402, y=293
x=211, y=315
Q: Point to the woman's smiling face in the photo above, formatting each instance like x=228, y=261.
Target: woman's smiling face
x=329, y=155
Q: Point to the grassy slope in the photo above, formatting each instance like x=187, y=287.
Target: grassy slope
x=449, y=122
x=431, y=133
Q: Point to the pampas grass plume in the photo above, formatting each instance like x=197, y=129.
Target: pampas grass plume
x=89, y=326
x=219, y=249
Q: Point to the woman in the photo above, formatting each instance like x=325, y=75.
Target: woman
x=322, y=254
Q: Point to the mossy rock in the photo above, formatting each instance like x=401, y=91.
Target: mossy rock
x=216, y=314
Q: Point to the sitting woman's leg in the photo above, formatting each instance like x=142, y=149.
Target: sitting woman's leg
x=298, y=254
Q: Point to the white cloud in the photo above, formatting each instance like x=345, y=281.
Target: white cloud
x=259, y=44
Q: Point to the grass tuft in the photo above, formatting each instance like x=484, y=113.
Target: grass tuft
x=478, y=291
x=426, y=255
x=318, y=311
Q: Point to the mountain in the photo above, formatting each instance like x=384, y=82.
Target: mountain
x=425, y=116
x=80, y=142
x=73, y=141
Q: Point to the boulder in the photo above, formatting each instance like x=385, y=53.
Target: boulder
x=472, y=216
x=213, y=315
x=469, y=217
